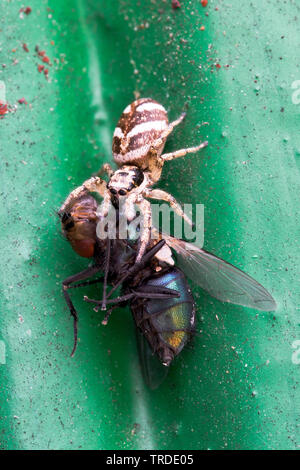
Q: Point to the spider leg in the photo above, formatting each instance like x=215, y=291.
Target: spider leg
x=129, y=207
x=145, y=207
x=164, y=196
x=183, y=152
x=66, y=285
x=161, y=140
x=156, y=161
x=105, y=205
x=94, y=184
x=106, y=168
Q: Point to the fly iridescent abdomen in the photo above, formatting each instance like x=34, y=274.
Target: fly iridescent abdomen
x=167, y=324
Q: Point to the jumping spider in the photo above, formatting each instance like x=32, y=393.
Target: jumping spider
x=138, y=142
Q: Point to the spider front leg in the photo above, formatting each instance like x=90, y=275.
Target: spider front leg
x=94, y=184
x=164, y=196
x=128, y=204
x=105, y=205
x=145, y=207
x=156, y=160
x=159, y=143
x=171, y=126
x=106, y=168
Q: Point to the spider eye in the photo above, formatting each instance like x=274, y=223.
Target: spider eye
x=122, y=192
x=113, y=191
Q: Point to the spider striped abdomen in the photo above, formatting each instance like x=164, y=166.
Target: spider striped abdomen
x=139, y=126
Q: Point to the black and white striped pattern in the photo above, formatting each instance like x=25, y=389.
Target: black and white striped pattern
x=126, y=179
x=140, y=124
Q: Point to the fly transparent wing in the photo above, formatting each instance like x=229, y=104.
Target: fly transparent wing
x=219, y=278
x=153, y=371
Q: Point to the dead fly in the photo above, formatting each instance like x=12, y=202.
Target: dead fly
x=157, y=291
x=158, y=294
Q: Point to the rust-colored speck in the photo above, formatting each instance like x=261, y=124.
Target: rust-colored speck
x=204, y=3
x=176, y=4
x=22, y=101
x=218, y=66
x=26, y=10
x=25, y=47
x=41, y=68
x=3, y=109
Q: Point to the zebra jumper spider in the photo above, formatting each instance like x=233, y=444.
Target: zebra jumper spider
x=138, y=142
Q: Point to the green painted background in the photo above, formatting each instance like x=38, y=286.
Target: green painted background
x=237, y=386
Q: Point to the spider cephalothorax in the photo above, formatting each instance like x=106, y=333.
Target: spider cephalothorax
x=138, y=142
x=123, y=181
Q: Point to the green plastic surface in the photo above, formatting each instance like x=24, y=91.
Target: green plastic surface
x=237, y=386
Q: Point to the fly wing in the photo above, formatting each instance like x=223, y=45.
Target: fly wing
x=153, y=371
x=219, y=278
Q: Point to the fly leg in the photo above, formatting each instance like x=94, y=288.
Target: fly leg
x=106, y=268
x=155, y=292
x=138, y=266
x=144, y=292
x=67, y=285
x=108, y=314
